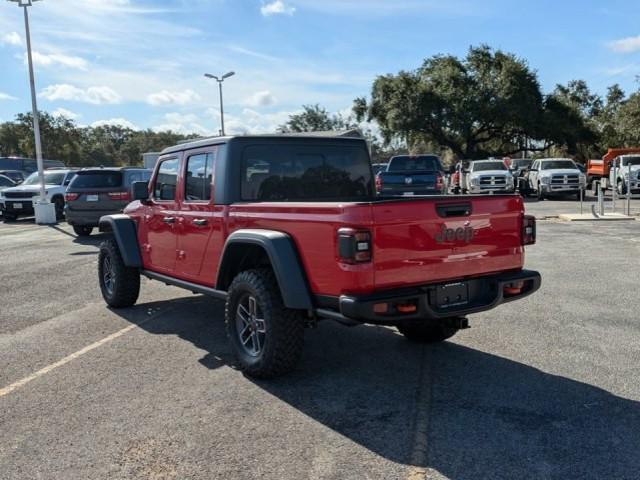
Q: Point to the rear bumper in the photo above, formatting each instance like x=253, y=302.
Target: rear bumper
x=85, y=218
x=485, y=293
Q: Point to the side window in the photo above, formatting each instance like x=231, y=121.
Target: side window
x=166, y=181
x=199, y=177
x=67, y=180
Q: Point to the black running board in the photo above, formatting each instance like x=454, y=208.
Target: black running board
x=176, y=282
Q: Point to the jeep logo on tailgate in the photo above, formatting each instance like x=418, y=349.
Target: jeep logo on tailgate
x=450, y=234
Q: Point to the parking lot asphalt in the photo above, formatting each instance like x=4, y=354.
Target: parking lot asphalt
x=548, y=387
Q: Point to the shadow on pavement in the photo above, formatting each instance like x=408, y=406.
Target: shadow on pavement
x=489, y=417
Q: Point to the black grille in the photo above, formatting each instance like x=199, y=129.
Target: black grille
x=20, y=194
x=493, y=180
x=560, y=180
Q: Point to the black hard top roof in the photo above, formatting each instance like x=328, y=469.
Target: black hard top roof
x=349, y=135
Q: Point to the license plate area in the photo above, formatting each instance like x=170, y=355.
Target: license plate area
x=452, y=295
x=16, y=205
x=92, y=198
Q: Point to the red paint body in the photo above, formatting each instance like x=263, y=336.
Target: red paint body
x=405, y=251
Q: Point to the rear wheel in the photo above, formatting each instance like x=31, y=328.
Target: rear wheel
x=58, y=203
x=120, y=285
x=265, y=336
x=82, y=231
x=426, y=332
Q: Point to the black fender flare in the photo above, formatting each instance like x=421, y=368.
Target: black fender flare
x=284, y=259
x=124, y=231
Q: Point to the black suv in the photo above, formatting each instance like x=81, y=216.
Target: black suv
x=95, y=192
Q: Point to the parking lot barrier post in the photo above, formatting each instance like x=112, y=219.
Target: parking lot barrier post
x=581, y=199
x=600, y=199
x=614, y=190
x=629, y=190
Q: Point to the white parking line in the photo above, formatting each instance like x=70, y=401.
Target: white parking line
x=21, y=383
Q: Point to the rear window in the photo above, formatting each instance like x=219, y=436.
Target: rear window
x=97, y=179
x=305, y=172
x=429, y=163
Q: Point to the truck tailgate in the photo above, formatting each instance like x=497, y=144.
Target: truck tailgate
x=420, y=241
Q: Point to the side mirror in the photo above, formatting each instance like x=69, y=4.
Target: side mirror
x=140, y=191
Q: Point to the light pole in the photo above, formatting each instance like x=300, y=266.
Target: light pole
x=220, y=80
x=44, y=210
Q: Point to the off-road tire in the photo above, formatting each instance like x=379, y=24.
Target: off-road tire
x=420, y=332
x=284, y=328
x=82, y=230
x=58, y=203
x=126, y=280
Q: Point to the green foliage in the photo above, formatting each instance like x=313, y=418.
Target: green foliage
x=315, y=118
x=487, y=104
x=62, y=139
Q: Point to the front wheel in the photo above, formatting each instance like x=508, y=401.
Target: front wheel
x=265, y=336
x=540, y=193
x=9, y=217
x=426, y=332
x=120, y=285
x=622, y=188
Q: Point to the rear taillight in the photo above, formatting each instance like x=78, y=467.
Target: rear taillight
x=354, y=246
x=439, y=184
x=378, y=184
x=70, y=197
x=118, y=195
x=528, y=230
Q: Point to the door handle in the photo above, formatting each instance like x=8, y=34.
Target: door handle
x=169, y=220
x=200, y=222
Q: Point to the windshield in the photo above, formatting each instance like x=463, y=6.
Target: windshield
x=483, y=166
x=97, y=179
x=406, y=163
x=626, y=161
x=558, y=164
x=50, y=178
x=521, y=163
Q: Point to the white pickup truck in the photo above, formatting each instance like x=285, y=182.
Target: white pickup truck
x=488, y=176
x=19, y=201
x=556, y=176
x=619, y=174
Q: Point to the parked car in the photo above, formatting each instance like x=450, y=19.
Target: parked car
x=556, y=176
x=411, y=175
x=27, y=165
x=16, y=175
x=95, y=192
x=379, y=167
x=619, y=174
x=488, y=176
x=18, y=201
x=519, y=168
x=288, y=231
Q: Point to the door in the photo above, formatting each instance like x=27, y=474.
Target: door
x=161, y=218
x=197, y=219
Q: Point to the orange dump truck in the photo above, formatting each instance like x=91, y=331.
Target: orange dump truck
x=599, y=171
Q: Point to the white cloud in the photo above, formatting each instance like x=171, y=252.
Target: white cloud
x=11, y=38
x=625, y=45
x=120, y=122
x=56, y=59
x=263, y=98
x=277, y=7
x=182, y=123
x=6, y=96
x=166, y=97
x=251, y=121
x=63, y=112
x=93, y=95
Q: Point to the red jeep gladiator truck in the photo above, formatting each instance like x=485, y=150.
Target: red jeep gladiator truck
x=288, y=230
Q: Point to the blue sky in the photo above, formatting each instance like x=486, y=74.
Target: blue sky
x=141, y=62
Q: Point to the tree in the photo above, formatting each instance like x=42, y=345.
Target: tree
x=487, y=104
x=314, y=118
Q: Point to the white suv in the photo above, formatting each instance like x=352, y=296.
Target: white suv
x=19, y=201
x=556, y=176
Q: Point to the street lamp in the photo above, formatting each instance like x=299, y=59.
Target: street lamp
x=44, y=210
x=220, y=80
